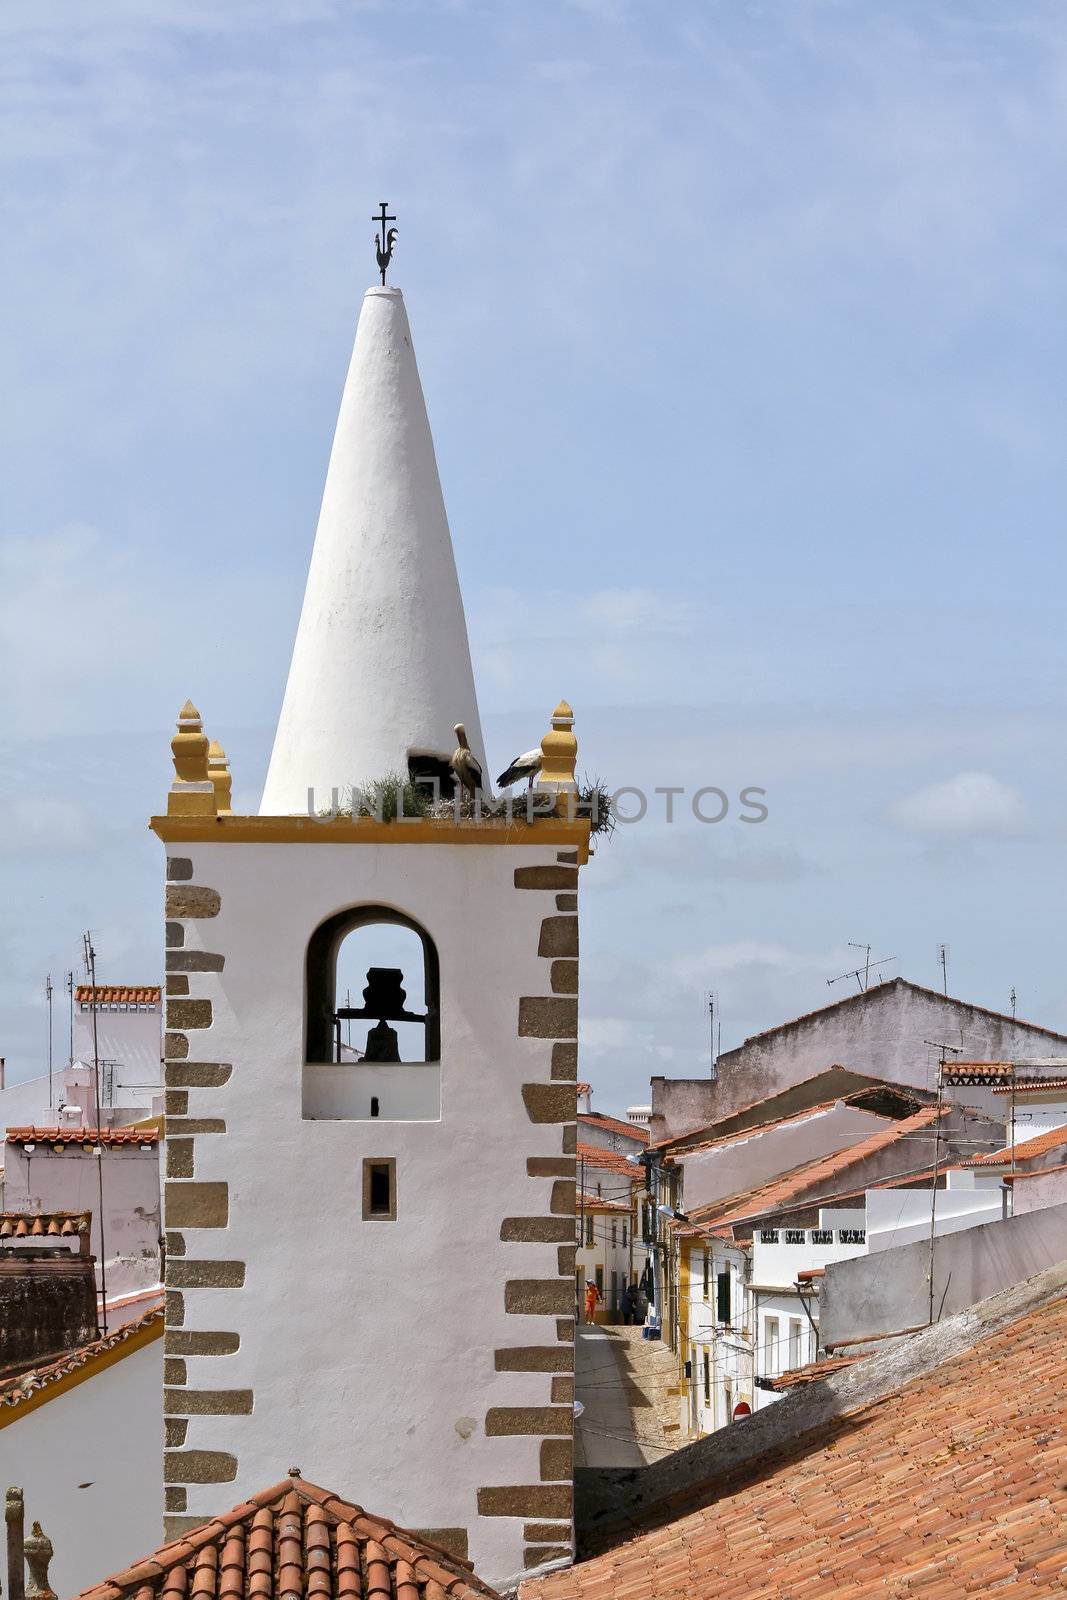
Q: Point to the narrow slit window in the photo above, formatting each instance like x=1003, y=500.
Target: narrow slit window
x=379, y=1189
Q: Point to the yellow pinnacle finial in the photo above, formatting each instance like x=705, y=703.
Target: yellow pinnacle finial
x=559, y=752
x=192, y=793
x=219, y=773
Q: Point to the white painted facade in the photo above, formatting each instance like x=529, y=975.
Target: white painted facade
x=743, y=1160
x=370, y=1344
x=88, y=1461
x=381, y=665
x=1035, y=1111
x=605, y=1253
x=129, y=1040
x=901, y=1216
x=69, y=1179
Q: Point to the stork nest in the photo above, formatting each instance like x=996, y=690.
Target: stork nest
x=386, y=799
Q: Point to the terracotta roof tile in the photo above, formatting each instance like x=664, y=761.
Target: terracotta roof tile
x=144, y=994
x=777, y=1193
x=105, y=1136
x=608, y=1161
x=628, y=1130
x=1031, y=1086
x=953, y=1486
x=296, y=1539
x=15, y=1390
x=1024, y=1149
x=44, y=1224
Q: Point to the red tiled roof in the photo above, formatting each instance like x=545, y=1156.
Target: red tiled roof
x=584, y=1088
x=954, y=1485
x=608, y=1161
x=296, y=1540
x=1038, y=1172
x=597, y=1202
x=776, y=1193
x=796, y=1376
x=44, y=1224
x=628, y=1130
x=1024, y=1149
x=26, y=1384
x=1031, y=1086
x=145, y=994
x=714, y=1141
x=91, y=1136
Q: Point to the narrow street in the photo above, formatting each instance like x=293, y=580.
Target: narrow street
x=622, y=1382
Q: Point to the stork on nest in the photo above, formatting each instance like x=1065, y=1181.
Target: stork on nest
x=465, y=764
x=524, y=766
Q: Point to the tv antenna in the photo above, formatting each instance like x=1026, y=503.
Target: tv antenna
x=1012, y=999
x=711, y=999
x=861, y=974
x=942, y=957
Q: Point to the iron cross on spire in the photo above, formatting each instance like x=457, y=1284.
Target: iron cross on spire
x=384, y=241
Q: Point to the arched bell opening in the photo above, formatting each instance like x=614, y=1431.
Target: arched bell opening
x=373, y=989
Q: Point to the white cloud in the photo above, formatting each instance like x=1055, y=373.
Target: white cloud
x=41, y=823
x=971, y=803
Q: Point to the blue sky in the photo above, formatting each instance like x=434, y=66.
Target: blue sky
x=741, y=328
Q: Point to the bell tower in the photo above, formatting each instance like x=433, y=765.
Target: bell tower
x=370, y=1179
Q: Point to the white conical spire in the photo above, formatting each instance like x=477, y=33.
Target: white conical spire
x=381, y=667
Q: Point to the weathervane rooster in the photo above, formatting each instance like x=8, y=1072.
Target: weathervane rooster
x=383, y=242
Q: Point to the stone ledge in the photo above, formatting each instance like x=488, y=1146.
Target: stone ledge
x=535, y=1555
x=196, y=1205
x=550, y=1102
x=193, y=1013
x=198, y=1074
x=563, y=976
x=536, y=1230
x=546, y=877
x=534, y=1358
x=538, y=1297
x=207, y=1402
x=502, y=1422
x=559, y=937
x=180, y=1342
x=565, y=1062
x=525, y=1500
x=187, y=1274
x=199, y=1466
x=191, y=900
x=564, y=1198
x=179, y=869
x=557, y=1458
x=547, y=1017
x=192, y=960
x=551, y=1166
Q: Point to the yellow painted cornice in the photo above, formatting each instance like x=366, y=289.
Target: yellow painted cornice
x=230, y=829
x=149, y=1331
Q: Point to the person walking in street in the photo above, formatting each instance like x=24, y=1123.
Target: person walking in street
x=592, y=1299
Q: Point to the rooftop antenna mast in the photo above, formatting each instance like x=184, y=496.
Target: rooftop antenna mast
x=942, y=956
x=937, y=1044
x=90, y=968
x=70, y=993
x=712, y=1001
x=861, y=974
x=48, y=998
x=1012, y=998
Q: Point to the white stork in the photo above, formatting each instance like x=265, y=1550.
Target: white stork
x=465, y=764
x=524, y=766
